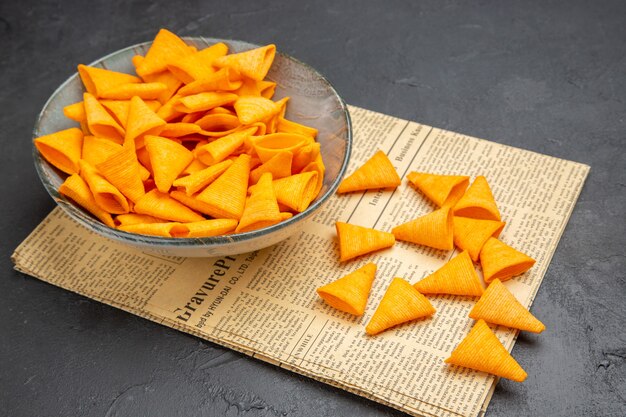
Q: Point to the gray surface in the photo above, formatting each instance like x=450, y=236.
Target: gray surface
x=545, y=76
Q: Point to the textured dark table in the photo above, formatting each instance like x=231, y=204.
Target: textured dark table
x=549, y=76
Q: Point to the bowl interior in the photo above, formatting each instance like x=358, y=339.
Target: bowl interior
x=313, y=101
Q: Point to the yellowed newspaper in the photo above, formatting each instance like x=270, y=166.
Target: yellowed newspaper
x=264, y=303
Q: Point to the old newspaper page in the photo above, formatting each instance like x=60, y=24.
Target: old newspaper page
x=265, y=305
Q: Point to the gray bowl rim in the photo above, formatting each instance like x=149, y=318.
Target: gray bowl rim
x=206, y=242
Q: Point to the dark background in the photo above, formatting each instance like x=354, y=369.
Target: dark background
x=549, y=76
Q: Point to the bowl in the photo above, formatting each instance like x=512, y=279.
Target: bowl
x=313, y=101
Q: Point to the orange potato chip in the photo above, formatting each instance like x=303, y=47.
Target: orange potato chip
x=166, y=229
x=356, y=240
x=134, y=218
x=62, y=149
x=100, y=122
x=200, y=179
x=168, y=159
x=471, y=234
x=98, y=80
x=501, y=261
x=124, y=171
x=161, y=205
x=77, y=189
x=104, y=193
x=279, y=166
x=349, y=293
x=203, y=101
x=304, y=156
x=227, y=194
x=316, y=166
x=255, y=109
x=206, y=228
x=266, y=88
x=197, y=65
x=119, y=109
x=141, y=121
x=269, y=145
x=261, y=209
x=219, y=149
x=400, y=304
x=478, y=202
x=287, y=126
x=377, y=172
x=434, y=229
x=166, y=48
x=285, y=215
x=167, y=111
x=219, y=124
x=147, y=91
x=194, y=166
x=96, y=150
x=296, y=191
x=481, y=350
x=499, y=306
x=457, y=277
x=171, y=82
x=75, y=112
x=254, y=63
x=440, y=189
x=193, y=203
x=217, y=81
x=175, y=130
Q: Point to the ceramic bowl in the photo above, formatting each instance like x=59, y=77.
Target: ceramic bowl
x=313, y=101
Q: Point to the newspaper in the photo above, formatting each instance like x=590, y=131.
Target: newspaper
x=265, y=305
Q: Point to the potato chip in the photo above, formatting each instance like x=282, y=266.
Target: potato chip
x=227, y=194
x=77, y=189
x=261, y=209
x=104, y=193
x=146, y=91
x=75, y=112
x=97, y=80
x=217, y=125
x=134, y=218
x=166, y=229
x=167, y=111
x=219, y=149
x=456, y=277
x=124, y=171
x=266, y=88
x=168, y=159
x=206, y=228
x=434, y=229
x=400, y=304
x=287, y=126
x=255, y=109
x=478, y=202
x=161, y=205
x=349, y=293
x=316, y=166
x=481, y=350
x=498, y=306
x=200, y=179
x=197, y=65
x=217, y=81
x=377, y=172
x=356, y=240
x=304, y=156
x=100, y=122
x=296, y=191
x=119, y=109
x=471, y=234
x=171, y=82
x=269, y=145
x=165, y=48
x=203, y=101
x=175, y=130
x=501, y=261
x=279, y=166
x=194, y=166
x=97, y=150
x=440, y=189
x=141, y=121
x=254, y=63
x=62, y=149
